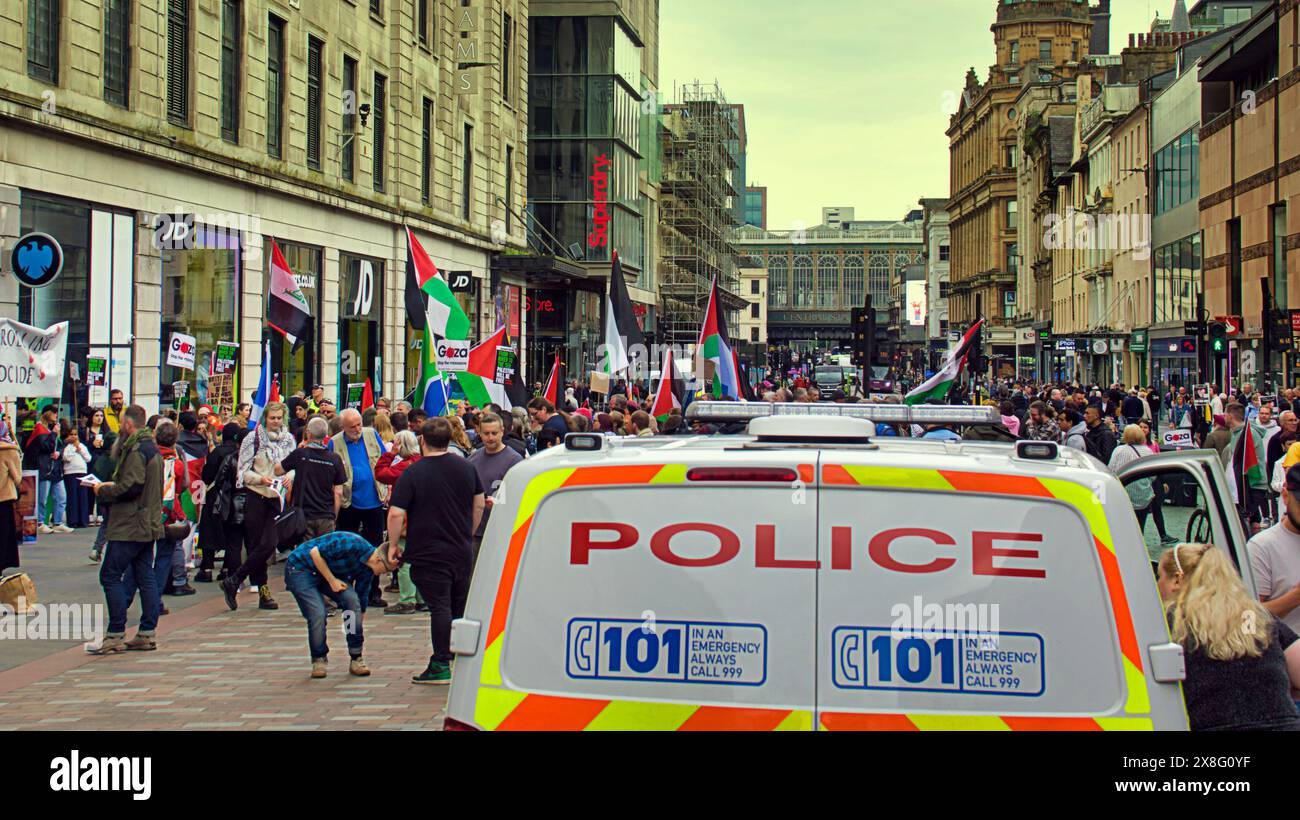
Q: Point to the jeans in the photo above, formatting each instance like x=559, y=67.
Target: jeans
x=160, y=570
x=101, y=537
x=444, y=587
x=44, y=487
x=309, y=590
x=180, y=576
x=369, y=524
x=133, y=557
x=78, y=501
x=408, y=594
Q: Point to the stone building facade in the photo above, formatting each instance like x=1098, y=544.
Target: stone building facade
x=326, y=125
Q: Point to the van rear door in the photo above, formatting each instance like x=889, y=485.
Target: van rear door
x=955, y=599
x=651, y=596
x=1191, y=503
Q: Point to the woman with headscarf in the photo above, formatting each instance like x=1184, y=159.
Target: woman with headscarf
x=11, y=476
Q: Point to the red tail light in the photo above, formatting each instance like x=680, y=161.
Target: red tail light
x=783, y=475
x=450, y=724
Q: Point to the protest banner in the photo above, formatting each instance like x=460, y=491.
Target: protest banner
x=32, y=360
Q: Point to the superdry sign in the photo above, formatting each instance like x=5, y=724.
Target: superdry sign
x=599, y=236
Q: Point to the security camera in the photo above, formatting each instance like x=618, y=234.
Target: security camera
x=364, y=111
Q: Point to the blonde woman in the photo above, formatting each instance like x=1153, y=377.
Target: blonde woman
x=1242, y=663
x=384, y=427
x=460, y=443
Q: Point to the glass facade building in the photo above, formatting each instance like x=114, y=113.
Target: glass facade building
x=585, y=115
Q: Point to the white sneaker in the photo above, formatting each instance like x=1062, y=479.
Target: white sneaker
x=63, y=528
x=45, y=529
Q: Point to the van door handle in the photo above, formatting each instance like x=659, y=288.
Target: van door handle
x=1167, y=663
x=464, y=636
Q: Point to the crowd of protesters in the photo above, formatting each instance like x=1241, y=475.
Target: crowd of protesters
x=175, y=493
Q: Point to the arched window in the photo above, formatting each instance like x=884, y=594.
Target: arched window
x=828, y=281
x=778, y=282
x=878, y=280
x=854, y=284
x=802, y=286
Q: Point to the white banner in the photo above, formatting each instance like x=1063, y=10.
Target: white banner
x=1179, y=439
x=180, y=351
x=453, y=356
x=32, y=360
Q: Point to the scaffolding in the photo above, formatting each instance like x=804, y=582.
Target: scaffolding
x=699, y=137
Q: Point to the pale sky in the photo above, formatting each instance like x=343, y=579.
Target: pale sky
x=844, y=99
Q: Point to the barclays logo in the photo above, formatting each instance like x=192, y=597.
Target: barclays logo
x=36, y=260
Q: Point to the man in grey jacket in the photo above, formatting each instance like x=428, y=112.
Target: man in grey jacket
x=134, y=498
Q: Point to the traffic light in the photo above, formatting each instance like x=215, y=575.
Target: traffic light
x=1280, y=331
x=859, y=331
x=1218, y=338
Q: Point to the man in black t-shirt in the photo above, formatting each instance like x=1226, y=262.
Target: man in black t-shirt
x=438, y=502
x=318, y=479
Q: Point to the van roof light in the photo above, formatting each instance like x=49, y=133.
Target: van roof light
x=710, y=411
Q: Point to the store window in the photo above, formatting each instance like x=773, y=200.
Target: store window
x=361, y=322
x=296, y=369
x=67, y=298
x=199, y=299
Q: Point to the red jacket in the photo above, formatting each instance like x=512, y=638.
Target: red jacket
x=387, y=472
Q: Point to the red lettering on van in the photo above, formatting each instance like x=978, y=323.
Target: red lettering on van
x=728, y=545
x=581, y=544
x=841, y=548
x=983, y=553
x=765, y=552
x=878, y=549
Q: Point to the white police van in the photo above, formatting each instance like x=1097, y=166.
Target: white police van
x=809, y=575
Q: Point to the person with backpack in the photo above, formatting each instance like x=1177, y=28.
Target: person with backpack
x=1141, y=493
x=44, y=453
x=219, y=530
x=176, y=525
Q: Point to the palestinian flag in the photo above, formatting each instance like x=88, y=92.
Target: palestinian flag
x=479, y=381
x=287, y=310
x=1251, y=467
x=440, y=310
x=670, y=393
x=552, y=391
x=622, y=332
x=715, y=346
x=938, y=385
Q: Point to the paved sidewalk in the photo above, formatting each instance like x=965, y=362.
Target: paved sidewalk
x=244, y=670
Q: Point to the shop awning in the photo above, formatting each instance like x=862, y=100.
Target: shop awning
x=540, y=271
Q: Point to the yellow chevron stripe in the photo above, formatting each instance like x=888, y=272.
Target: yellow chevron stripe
x=490, y=668
x=1125, y=724
x=670, y=474
x=1139, y=702
x=897, y=477
x=959, y=723
x=625, y=715
x=796, y=721
x=1086, y=502
x=492, y=706
x=537, y=489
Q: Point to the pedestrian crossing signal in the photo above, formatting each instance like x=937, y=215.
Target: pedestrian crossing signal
x=1219, y=337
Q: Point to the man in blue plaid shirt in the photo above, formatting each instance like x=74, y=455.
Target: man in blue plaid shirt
x=342, y=565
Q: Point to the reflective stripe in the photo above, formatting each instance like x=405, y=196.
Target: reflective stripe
x=894, y=722
x=631, y=715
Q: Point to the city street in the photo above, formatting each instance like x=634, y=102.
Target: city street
x=214, y=669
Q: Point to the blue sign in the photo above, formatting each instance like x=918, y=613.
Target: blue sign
x=36, y=260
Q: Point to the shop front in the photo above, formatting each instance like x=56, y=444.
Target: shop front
x=361, y=311
x=1173, y=360
x=200, y=287
x=297, y=366
x=93, y=293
